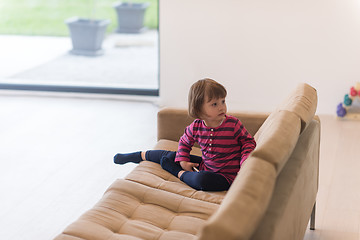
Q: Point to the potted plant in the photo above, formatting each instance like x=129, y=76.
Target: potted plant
x=130, y=16
x=87, y=34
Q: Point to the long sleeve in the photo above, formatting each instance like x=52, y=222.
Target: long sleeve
x=186, y=143
x=246, y=141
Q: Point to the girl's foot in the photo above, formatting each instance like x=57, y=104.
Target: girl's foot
x=122, y=158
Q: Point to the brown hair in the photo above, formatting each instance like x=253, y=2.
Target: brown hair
x=204, y=87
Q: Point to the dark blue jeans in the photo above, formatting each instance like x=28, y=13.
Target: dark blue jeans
x=203, y=180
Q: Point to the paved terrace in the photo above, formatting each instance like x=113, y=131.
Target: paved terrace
x=129, y=61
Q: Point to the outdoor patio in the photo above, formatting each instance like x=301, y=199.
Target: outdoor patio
x=129, y=61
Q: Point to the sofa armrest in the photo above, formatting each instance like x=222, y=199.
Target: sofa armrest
x=172, y=122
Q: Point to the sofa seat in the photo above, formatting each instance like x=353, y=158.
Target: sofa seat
x=149, y=203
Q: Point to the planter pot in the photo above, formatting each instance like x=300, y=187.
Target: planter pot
x=130, y=17
x=87, y=35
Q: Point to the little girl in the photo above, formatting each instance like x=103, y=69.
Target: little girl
x=225, y=143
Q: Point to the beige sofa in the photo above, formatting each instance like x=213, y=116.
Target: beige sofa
x=272, y=197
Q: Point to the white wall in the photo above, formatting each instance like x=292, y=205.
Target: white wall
x=260, y=49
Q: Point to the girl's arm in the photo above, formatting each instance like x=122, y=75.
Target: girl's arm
x=245, y=140
x=189, y=166
x=185, y=145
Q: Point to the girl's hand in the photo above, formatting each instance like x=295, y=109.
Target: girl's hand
x=188, y=166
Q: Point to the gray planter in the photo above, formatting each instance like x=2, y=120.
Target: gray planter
x=130, y=17
x=87, y=35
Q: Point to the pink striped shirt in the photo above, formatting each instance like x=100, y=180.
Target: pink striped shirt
x=223, y=148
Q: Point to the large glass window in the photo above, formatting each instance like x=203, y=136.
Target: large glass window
x=80, y=46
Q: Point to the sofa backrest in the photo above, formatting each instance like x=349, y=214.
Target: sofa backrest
x=295, y=191
x=277, y=137
x=303, y=102
x=172, y=122
x=276, y=140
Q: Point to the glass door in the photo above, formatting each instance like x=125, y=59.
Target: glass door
x=45, y=47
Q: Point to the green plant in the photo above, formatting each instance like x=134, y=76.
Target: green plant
x=44, y=17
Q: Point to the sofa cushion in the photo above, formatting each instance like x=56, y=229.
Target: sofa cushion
x=149, y=203
x=245, y=203
x=277, y=137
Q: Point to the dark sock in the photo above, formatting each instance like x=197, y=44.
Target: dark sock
x=170, y=166
x=122, y=158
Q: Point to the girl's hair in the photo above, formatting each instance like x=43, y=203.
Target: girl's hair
x=204, y=87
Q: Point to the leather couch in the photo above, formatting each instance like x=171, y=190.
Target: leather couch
x=272, y=198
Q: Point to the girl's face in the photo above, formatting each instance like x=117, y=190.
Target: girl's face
x=213, y=112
